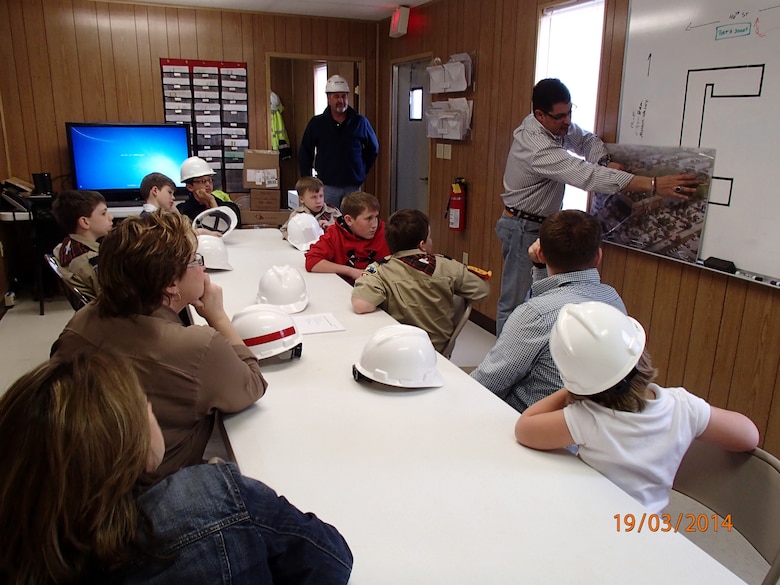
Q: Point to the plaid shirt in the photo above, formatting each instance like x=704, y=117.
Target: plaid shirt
x=519, y=369
x=539, y=166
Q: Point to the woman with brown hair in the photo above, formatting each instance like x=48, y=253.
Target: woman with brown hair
x=149, y=272
x=79, y=437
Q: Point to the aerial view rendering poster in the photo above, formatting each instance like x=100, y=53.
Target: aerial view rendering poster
x=662, y=225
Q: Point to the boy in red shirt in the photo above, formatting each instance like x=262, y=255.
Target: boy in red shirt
x=356, y=239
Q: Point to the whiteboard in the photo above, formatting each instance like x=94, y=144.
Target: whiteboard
x=707, y=74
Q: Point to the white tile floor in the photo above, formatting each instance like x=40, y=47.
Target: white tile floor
x=26, y=338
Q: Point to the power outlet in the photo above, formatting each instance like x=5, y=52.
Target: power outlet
x=466, y=258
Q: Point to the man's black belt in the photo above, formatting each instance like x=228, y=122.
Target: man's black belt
x=524, y=214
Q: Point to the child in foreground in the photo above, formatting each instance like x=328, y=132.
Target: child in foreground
x=311, y=200
x=85, y=217
x=77, y=505
x=414, y=285
x=356, y=239
x=627, y=427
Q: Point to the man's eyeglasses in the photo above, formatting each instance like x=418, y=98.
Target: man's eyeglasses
x=204, y=180
x=559, y=117
x=197, y=262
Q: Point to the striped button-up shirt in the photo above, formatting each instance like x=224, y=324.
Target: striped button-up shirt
x=539, y=166
x=519, y=369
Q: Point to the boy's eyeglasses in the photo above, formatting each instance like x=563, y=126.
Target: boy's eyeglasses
x=197, y=262
x=204, y=180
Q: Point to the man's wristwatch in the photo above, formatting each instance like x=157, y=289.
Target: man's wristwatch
x=605, y=160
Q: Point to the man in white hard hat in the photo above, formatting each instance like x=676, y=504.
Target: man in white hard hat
x=339, y=144
x=196, y=174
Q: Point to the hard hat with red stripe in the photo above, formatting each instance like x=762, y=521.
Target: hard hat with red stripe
x=268, y=331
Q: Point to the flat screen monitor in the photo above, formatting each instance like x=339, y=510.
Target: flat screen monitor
x=114, y=158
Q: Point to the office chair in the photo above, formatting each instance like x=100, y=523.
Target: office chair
x=744, y=486
x=459, y=319
x=75, y=297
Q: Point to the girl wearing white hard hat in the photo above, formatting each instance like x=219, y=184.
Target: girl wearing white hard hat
x=628, y=428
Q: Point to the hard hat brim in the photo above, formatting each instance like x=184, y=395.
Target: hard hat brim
x=222, y=209
x=433, y=380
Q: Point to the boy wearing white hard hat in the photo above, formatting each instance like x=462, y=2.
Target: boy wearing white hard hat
x=628, y=428
x=197, y=176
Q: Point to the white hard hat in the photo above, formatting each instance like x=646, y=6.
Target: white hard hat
x=284, y=287
x=195, y=167
x=595, y=346
x=336, y=84
x=268, y=331
x=399, y=355
x=275, y=101
x=303, y=230
x=220, y=219
x=214, y=252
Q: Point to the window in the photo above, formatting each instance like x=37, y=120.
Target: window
x=415, y=103
x=320, y=80
x=569, y=48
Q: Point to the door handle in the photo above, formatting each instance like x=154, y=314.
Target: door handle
x=423, y=178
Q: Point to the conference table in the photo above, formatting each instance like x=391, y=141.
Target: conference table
x=429, y=486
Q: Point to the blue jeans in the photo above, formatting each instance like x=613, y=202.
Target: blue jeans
x=220, y=527
x=334, y=194
x=516, y=236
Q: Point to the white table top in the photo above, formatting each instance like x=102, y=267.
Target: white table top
x=429, y=486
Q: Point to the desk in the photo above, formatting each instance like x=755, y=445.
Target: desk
x=429, y=486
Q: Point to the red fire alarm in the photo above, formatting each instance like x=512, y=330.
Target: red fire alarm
x=399, y=22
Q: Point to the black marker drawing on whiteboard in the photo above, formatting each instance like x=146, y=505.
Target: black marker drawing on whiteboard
x=649, y=59
x=704, y=87
x=692, y=26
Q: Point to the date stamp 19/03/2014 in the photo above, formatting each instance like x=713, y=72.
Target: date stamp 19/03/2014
x=668, y=523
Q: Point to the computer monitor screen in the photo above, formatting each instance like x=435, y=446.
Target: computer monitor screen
x=114, y=158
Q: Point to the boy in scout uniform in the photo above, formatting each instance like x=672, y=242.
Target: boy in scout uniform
x=413, y=285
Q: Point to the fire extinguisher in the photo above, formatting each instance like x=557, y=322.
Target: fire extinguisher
x=456, y=206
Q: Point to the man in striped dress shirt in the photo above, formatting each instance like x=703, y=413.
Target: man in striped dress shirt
x=519, y=368
x=538, y=168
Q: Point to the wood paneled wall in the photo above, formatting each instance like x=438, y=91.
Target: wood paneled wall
x=79, y=60
x=716, y=335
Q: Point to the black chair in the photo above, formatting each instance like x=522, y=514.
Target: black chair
x=75, y=297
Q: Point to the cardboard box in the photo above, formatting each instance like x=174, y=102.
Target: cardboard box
x=264, y=199
x=261, y=169
x=266, y=218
